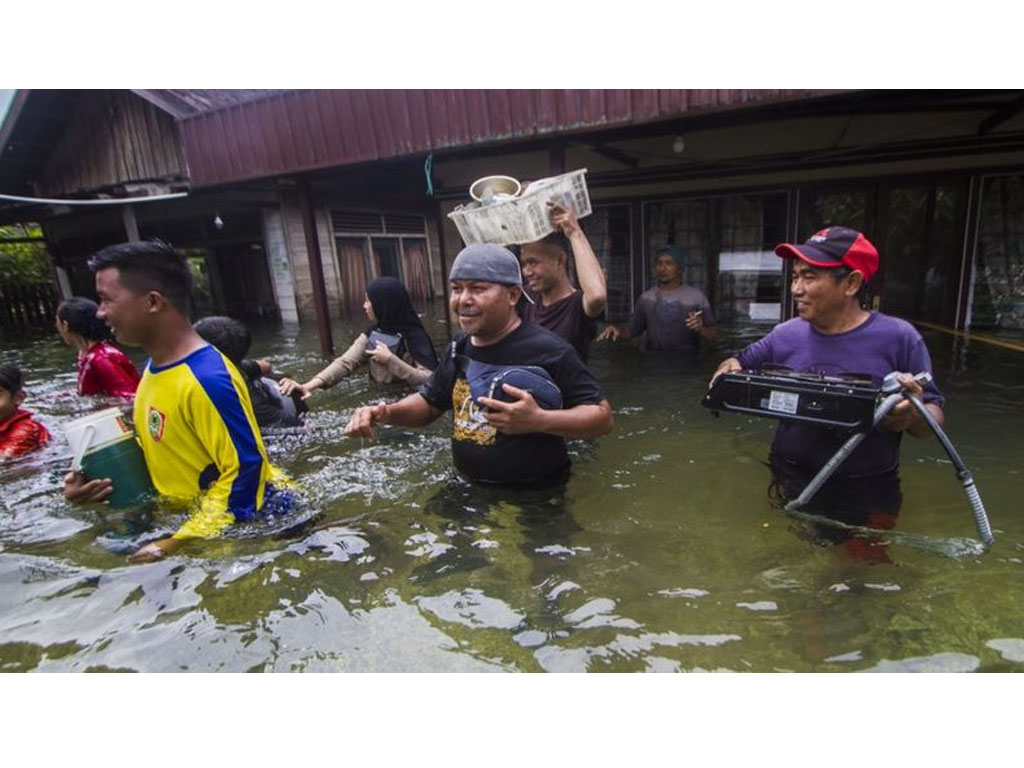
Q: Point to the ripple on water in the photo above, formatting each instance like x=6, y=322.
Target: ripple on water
x=472, y=608
x=939, y=662
x=1011, y=648
x=379, y=576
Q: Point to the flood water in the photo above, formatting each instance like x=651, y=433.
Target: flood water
x=664, y=553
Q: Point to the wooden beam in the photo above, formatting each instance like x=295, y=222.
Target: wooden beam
x=614, y=154
x=131, y=226
x=1000, y=116
x=316, y=270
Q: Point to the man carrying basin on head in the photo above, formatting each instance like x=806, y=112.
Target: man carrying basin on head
x=554, y=303
x=833, y=334
x=192, y=411
x=501, y=434
x=671, y=315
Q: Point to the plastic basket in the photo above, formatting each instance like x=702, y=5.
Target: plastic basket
x=523, y=219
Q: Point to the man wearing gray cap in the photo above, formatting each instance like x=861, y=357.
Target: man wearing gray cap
x=501, y=434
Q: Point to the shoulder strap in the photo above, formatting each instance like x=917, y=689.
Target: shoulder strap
x=457, y=350
x=458, y=345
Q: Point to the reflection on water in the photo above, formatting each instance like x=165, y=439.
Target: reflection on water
x=663, y=553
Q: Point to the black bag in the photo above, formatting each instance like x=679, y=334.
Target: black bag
x=486, y=380
x=391, y=341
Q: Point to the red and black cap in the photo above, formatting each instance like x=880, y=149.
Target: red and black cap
x=835, y=247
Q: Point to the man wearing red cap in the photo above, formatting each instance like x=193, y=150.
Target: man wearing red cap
x=834, y=334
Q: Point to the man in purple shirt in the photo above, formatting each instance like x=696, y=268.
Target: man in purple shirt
x=553, y=302
x=834, y=334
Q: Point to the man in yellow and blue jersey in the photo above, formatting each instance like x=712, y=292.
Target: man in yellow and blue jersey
x=192, y=411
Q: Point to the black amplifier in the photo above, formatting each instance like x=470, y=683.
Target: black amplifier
x=846, y=401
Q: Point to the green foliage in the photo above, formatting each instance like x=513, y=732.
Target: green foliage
x=23, y=263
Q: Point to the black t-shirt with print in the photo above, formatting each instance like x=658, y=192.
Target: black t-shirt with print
x=481, y=452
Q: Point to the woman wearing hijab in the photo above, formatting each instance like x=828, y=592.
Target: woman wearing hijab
x=103, y=369
x=395, y=346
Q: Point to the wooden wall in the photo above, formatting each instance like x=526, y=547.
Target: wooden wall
x=114, y=137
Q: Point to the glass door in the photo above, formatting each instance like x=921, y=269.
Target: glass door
x=917, y=252
x=998, y=300
x=608, y=229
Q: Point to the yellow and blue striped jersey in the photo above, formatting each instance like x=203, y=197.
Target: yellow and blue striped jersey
x=202, y=445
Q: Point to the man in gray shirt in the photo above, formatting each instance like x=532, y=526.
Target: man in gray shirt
x=672, y=316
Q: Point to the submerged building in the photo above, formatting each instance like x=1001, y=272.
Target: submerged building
x=294, y=199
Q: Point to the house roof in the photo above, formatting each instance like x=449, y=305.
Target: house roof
x=182, y=102
x=303, y=130
x=38, y=118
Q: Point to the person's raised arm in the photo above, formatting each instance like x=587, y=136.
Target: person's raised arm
x=588, y=269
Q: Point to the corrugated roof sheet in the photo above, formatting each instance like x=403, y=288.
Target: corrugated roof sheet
x=293, y=131
x=183, y=102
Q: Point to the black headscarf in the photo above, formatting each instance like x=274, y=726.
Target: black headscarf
x=394, y=312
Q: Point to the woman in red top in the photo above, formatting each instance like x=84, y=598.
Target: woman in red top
x=19, y=432
x=103, y=369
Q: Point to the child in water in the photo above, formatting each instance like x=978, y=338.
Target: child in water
x=412, y=360
x=19, y=432
x=233, y=339
x=103, y=369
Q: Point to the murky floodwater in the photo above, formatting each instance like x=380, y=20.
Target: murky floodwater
x=664, y=552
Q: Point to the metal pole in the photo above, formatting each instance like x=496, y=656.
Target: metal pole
x=316, y=270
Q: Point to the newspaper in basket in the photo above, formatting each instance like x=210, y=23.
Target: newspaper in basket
x=523, y=219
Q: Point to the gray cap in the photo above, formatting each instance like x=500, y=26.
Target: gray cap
x=488, y=263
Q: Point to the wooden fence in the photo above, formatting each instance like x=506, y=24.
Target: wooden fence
x=28, y=306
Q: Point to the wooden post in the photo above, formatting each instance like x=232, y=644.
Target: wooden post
x=556, y=158
x=640, y=263
x=131, y=226
x=316, y=270
x=439, y=223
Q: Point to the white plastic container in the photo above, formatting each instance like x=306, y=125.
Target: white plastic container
x=95, y=432
x=523, y=219
x=104, y=445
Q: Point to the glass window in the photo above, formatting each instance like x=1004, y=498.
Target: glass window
x=385, y=258
x=686, y=223
x=728, y=248
x=609, y=233
x=416, y=268
x=998, y=300
x=749, y=284
x=843, y=208
x=918, y=249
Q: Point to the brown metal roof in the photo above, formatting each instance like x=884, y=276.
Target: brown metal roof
x=182, y=102
x=303, y=130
